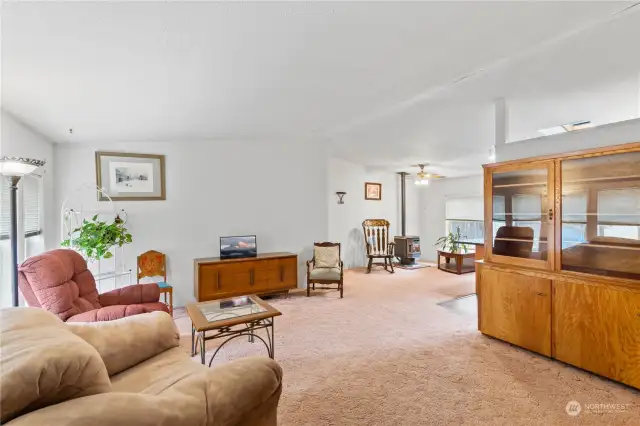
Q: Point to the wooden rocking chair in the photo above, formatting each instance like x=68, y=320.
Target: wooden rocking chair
x=376, y=237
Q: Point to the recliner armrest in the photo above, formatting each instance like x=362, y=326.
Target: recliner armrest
x=128, y=341
x=132, y=294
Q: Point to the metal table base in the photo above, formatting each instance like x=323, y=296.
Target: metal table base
x=199, y=339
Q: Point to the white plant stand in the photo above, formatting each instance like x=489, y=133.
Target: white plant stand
x=82, y=205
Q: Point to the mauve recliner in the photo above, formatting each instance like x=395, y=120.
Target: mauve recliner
x=60, y=282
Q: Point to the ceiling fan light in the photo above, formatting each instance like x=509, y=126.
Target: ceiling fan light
x=422, y=182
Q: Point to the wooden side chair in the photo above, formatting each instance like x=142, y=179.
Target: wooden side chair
x=326, y=267
x=376, y=237
x=153, y=264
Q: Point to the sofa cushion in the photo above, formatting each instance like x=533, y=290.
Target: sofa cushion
x=126, y=342
x=325, y=274
x=44, y=363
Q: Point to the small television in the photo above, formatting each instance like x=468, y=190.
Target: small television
x=238, y=247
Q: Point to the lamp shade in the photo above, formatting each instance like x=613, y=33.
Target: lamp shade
x=17, y=166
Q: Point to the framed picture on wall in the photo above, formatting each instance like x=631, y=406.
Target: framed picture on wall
x=372, y=191
x=130, y=177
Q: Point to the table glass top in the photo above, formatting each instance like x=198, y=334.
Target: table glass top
x=232, y=308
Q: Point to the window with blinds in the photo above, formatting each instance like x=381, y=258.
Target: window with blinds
x=468, y=215
x=30, y=192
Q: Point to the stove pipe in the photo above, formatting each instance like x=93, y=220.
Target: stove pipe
x=403, y=202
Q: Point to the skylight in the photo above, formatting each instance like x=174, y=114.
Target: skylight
x=570, y=127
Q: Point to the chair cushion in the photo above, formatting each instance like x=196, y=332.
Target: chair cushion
x=326, y=257
x=325, y=274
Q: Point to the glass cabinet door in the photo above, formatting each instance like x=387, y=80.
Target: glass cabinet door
x=600, y=229
x=522, y=214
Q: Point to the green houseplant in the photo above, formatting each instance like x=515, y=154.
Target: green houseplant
x=451, y=242
x=94, y=238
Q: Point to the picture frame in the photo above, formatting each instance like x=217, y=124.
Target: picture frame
x=373, y=191
x=130, y=177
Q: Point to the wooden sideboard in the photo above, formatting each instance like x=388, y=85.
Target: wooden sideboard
x=561, y=271
x=216, y=278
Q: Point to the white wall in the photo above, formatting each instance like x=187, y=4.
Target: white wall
x=18, y=140
x=345, y=220
x=596, y=137
x=274, y=190
x=433, y=204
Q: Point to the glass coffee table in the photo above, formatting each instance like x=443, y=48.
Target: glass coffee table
x=231, y=318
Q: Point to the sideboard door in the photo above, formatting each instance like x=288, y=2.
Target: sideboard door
x=598, y=329
x=517, y=309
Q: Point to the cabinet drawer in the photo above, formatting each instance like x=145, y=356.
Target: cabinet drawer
x=516, y=308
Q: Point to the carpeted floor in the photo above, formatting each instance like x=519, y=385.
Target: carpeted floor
x=388, y=354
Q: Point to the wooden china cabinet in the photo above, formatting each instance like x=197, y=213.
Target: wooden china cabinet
x=561, y=272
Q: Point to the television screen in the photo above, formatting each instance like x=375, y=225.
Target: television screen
x=244, y=246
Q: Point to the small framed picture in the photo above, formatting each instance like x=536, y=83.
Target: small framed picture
x=130, y=177
x=372, y=191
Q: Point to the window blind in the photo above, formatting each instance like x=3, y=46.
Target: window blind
x=470, y=208
x=526, y=207
x=30, y=189
x=574, y=207
x=619, y=206
x=499, y=213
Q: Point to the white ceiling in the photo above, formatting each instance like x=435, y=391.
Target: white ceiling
x=376, y=80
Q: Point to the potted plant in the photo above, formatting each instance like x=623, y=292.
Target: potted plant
x=95, y=238
x=451, y=242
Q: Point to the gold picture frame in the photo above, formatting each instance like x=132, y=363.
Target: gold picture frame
x=373, y=191
x=130, y=177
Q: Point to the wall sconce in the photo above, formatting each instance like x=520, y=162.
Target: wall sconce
x=340, y=195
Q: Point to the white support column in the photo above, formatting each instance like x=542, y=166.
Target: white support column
x=501, y=116
x=639, y=95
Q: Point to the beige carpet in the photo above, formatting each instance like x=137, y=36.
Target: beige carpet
x=387, y=354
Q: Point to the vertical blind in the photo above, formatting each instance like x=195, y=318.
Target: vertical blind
x=31, y=192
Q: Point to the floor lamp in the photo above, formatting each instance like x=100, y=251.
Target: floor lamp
x=13, y=168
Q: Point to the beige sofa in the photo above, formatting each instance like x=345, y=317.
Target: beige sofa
x=124, y=372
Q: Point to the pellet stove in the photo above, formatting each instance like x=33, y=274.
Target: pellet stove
x=407, y=248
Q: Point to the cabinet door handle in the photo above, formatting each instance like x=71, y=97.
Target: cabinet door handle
x=541, y=294
x=250, y=276
x=281, y=273
x=218, y=279
x=550, y=214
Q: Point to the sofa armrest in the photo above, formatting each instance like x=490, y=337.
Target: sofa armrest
x=132, y=294
x=128, y=341
x=245, y=392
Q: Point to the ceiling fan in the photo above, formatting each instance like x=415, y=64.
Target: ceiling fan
x=422, y=177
